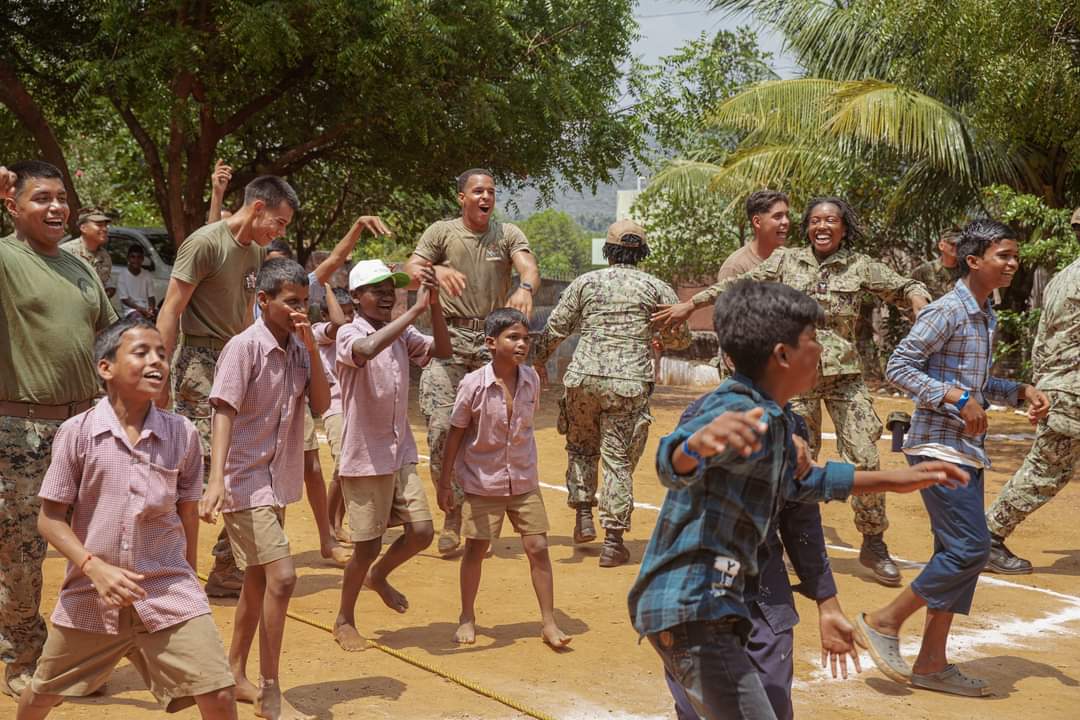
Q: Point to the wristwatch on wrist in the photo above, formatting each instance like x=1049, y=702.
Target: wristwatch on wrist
x=963, y=400
x=529, y=287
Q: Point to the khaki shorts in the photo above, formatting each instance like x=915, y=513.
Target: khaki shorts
x=376, y=502
x=257, y=535
x=482, y=515
x=333, y=426
x=311, y=440
x=176, y=663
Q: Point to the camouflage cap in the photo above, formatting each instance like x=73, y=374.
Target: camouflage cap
x=626, y=233
x=1075, y=220
x=93, y=214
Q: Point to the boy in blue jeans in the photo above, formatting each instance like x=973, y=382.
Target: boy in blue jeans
x=728, y=471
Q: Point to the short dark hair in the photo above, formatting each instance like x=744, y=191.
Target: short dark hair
x=760, y=201
x=853, y=229
x=463, y=178
x=623, y=255
x=498, y=320
x=108, y=340
x=33, y=169
x=275, y=273
x=976, y=237
x=272, y=190
x=751, y=318
x=341, y=295
x=282, y=247
x=135, y=247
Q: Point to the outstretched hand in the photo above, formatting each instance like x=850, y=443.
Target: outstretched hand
x=373, y=224
x=668, y=316
x=925, y=474
x=221, y=177
x=837, y=642
x=740, y=431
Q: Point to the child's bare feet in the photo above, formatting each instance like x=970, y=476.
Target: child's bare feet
x=246, y=692
x=553, y=636
x=349, y=638
x=337, y=554
x=466, y=633
x=272, y=705
x=394, y=600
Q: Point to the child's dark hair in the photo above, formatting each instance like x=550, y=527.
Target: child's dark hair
x=108, y=340
x=853, y=230
x=341, y=295
x=622, y=255
x=463, y=178
x=281, y=247
x=976, y=237
x=33, y=169
x=498, y=320
x=751, y=318
x=761, y=201
x=275, y=273
x=136, y=249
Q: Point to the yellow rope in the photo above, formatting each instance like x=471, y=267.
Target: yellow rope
x=425, y=665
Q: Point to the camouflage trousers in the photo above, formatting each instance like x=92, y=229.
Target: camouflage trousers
x=193, y=379
x=857, y=430
x=438, y=389
x=1048, y=467
x=25, y=449
x=605, y=420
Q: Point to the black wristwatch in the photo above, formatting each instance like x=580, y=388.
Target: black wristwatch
x=527, y=286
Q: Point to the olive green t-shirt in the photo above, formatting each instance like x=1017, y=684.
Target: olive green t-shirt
x=223, y=272
x=51, y=309
x=484, y=258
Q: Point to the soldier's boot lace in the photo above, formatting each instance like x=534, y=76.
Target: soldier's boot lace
x=1003, y=561
x=613, y=553
x=874, y=554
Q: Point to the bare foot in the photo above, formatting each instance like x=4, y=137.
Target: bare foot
x=336, y=554
x=272, y=705
x=466, y=633
x=342, y=536
x=553, y=636
x=246, y=692
x=394, y=600
x=349, y=639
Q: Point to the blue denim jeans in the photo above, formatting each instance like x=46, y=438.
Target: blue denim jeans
x=708, y=662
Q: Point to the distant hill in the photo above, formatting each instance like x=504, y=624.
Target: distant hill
x=593, y=212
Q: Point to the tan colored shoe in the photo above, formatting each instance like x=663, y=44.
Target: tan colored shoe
x=450, y=539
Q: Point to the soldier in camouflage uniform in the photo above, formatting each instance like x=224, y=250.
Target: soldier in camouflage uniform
x=473, y=257
x=940, y=275
x=48, y=376
x=836, y=277
x=91, y=245
x=1055, y=454
x=604, y=412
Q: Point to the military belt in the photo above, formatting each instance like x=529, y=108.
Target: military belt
x=467, y=323
x=195, y=341
x=33, y=411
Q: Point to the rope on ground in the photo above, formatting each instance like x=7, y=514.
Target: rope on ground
x=429, y=667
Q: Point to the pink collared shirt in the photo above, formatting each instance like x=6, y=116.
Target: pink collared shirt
x=124, y=502
x=328, y=355
x=376, y=438
x=267, y=385
x=497, y=456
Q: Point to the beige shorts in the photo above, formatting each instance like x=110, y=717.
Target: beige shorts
x=257, y=535
x=311, y=440
x=176, y=663
x=376, y=502
x=482, y=515
x=333, y=426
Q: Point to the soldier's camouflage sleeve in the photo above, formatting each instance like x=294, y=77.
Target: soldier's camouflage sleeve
x=678, y=337
x=563, y=322
x=768, y=271
x=891, y=286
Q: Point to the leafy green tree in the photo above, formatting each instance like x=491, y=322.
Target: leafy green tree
x=562, y=248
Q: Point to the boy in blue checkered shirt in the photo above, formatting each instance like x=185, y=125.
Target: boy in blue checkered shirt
x=728, y=471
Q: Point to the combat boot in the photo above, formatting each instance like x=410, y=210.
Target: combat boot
x=450, y=539
x=1003, y=561
x=584, y=529
x=224, y=581
x=874, y=554
x=613, y=553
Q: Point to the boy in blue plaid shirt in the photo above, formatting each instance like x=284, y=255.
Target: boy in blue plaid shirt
x=944, y=362
x=728, y=471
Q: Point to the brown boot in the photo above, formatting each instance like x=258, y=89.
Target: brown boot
x=225, y=580
x=874, y=554
x=584, y=529
x=613, y=553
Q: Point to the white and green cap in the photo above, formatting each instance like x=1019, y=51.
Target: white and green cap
x=371, y=272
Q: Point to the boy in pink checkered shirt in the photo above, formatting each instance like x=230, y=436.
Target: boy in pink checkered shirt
x=130, y=476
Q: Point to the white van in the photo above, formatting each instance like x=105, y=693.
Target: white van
x=159, y=253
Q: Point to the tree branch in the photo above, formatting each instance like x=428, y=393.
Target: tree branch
x=153, y=162
x=261, y=102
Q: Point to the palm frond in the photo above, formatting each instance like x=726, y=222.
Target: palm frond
x=787, y=108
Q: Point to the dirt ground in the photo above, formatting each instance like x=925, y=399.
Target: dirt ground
x=1023, y=636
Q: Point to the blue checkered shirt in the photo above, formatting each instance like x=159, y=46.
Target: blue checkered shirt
x=949, y=346
x=704, y=547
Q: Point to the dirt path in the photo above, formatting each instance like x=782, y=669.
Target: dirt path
x=1025, y=636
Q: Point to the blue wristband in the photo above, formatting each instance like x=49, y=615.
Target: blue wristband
x=690, y=453
x=963, y=400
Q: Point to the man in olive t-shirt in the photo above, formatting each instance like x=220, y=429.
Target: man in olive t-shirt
x=51, y=307
x=473, y=257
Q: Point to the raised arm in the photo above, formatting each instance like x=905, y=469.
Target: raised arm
x=219, y=182
x=341, y=252
x=563, y=322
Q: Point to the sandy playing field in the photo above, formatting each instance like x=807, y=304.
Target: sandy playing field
x=1024, y=636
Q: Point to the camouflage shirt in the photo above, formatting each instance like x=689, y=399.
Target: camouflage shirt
x=1055, y=358
x=611, y=310
x=99, y=259
x=837, y=283
x=937, y=278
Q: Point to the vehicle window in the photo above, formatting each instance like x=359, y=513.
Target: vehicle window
x=164, y=246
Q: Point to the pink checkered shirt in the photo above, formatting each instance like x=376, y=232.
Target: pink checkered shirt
x=125, y=513
x=267, y=386
x=497, y=456
x=328, y=354
x=376, y=438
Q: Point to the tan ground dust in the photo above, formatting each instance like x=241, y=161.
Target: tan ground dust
x=1035, y=669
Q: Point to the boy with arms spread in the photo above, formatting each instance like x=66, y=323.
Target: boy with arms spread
x=264, y=376
x=130, y=476
x=728, y=471
x=377, y=470
x=944, y=362
x=492, y=452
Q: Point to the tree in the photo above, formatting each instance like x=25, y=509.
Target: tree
x=407, y=93
x=561, y=247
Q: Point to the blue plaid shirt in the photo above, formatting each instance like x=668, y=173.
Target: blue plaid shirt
x=704, y=547
x=949, y=346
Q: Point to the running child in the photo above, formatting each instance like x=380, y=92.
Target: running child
x=944, y=362
x=263, y=378
x=377, y=470
x=492, y=451
x=728, y=472
x=119, y=501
